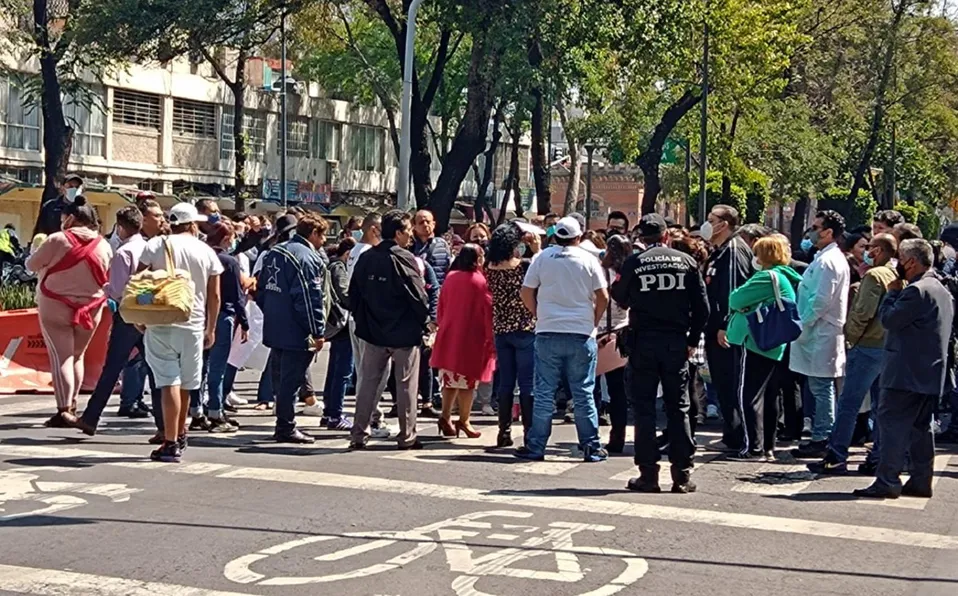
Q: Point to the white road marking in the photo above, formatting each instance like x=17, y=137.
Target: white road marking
x=25, y=407
x=593, y=506
x=52, y=582
x=941, y=463
x=552, y=467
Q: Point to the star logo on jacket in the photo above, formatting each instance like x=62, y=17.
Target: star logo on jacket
x=272, y=282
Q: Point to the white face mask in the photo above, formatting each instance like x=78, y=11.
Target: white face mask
x=755, y=264
x=73, y=192
x=706, y=230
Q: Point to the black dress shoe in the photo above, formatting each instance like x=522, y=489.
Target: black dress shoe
x=132, y=412
x=643, y=485
x=357, y=445
x=684, y=488
x=143, y=406
x=811, y=450
x=875, y=492
x=911, y=490
x=868, y=468
x=293, y=436
x=414, y=446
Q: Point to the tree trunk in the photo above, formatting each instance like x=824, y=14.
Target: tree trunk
x=240, y=147
x=470, y=141
x=575, y=165
x=516, y=193
x=540, y=162
x=489, y=165
x=729, y=154
x=652, y=156
x=878, y=115
x=57, y=133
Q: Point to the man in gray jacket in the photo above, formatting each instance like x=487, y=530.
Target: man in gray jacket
x=917, y=321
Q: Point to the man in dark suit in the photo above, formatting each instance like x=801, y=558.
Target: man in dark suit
x=917, y=320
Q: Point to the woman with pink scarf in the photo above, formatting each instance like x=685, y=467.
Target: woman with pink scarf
x=73, y=268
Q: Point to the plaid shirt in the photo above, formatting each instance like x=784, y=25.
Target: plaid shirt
x=698, y=357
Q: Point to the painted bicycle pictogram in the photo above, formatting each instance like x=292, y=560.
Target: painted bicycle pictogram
x=554, y=540
x=49, y=497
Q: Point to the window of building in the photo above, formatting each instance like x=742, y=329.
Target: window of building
x=194, y=119
x=131, y=108
x=89, y=125
x=328, y=140
x=297, y=136
x=26, y=175
x=19, y=119
x=366, y=148
x=254, y=127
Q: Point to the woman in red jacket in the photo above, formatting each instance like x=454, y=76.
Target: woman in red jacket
x=463, y=351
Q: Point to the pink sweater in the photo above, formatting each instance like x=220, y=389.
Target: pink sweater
x=76, y=283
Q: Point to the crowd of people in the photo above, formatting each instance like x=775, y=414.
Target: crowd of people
x=850, y=338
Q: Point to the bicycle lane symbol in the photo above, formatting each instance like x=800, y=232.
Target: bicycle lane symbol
x=53, y=496
x=555, y=541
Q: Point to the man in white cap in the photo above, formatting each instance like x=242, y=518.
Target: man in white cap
x=175, y=352
x=566, y=289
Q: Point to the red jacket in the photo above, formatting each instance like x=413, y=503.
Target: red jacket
x=464, y=343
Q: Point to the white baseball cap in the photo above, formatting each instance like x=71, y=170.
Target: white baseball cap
x=184, y=213
x=568, y=228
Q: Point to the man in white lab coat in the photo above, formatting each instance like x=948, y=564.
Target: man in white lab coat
x=819, y=353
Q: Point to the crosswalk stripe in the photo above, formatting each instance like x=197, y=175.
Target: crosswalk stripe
x=595, y=506
x=941, y=463
x=53, y=582
x=26, y=407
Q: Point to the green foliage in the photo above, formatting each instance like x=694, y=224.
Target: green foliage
x=16, y=296
x=859, y=213
x=924, y=216
x=738, y=198
x=755, y=185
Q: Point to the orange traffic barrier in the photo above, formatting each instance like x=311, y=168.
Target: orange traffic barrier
x=25, y=362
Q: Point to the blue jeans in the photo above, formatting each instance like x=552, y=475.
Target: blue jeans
x=338, y=371
x=134, y=380
x=861, y=372
x=823, y=394
x=564, y=358
x=515, y=359
x=214, y=364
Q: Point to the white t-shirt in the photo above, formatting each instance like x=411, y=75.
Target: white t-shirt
x=353, y=257
x=567, y=279
x=189, y=254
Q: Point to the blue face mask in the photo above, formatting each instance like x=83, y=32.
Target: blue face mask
x=550, y=231
x=806, y=244
x=233, y=245
x=213, y=218
x=521, y=249
x=357, y=235
x=868, y=260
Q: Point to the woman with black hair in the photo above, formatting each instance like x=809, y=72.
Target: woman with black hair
x=513, y=327
x=73, y=269
x=463, y=351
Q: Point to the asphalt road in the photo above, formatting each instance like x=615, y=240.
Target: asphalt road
x=82, y=515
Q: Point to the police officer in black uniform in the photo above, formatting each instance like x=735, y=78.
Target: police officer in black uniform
x=668, y=308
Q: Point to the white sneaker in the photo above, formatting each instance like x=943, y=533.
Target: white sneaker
x=315, y=409
x=235, y=400
x=712, y=412
x=383, y=432
x=488, y=411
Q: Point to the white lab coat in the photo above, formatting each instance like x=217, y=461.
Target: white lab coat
x=822, y=306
